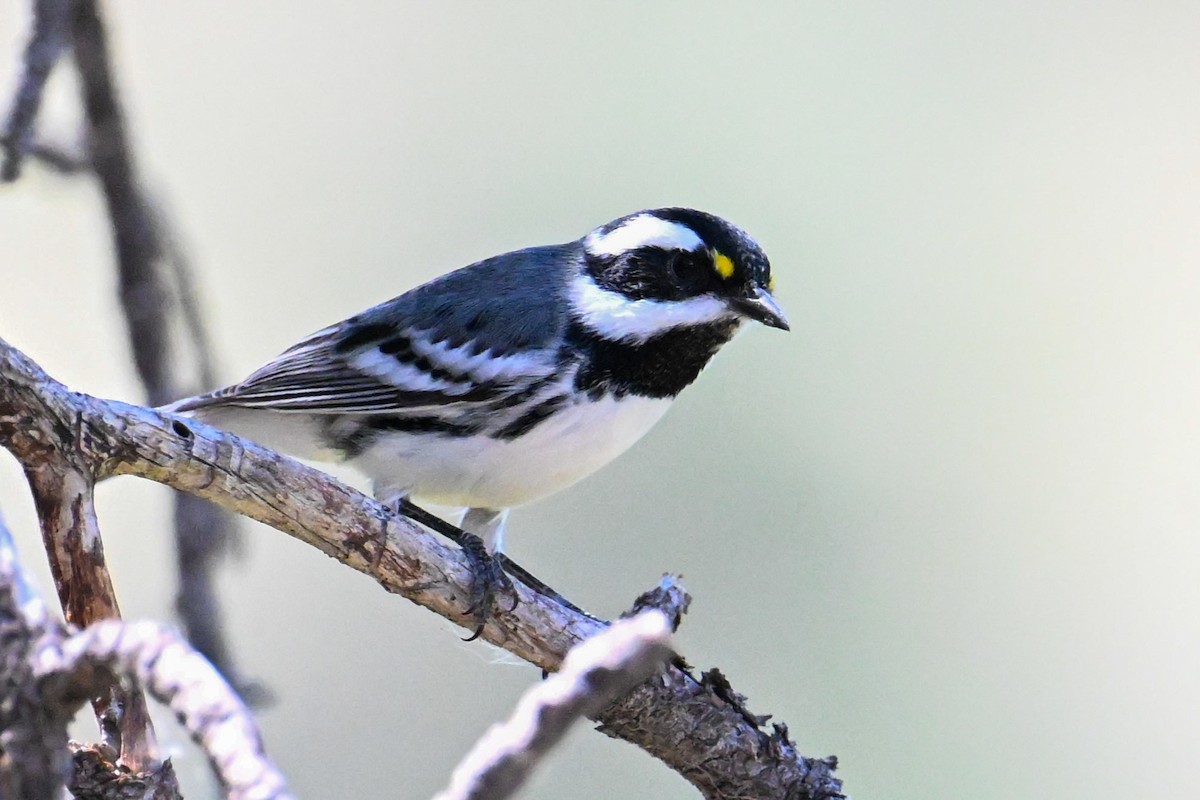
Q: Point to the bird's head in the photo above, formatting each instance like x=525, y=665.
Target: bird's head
x=652, y=271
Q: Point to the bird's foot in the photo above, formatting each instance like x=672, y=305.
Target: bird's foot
x=490, y=581
x=487, y=571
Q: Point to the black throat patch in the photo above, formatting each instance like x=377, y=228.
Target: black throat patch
x=659, y=367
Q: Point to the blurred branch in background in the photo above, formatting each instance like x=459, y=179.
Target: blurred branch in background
x=702, y=731
x=155, y=284
x=47, y=42
x=47, y=673
x=59, y=159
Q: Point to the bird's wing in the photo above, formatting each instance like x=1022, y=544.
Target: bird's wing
x=477, y=336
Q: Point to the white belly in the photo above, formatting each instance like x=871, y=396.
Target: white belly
x=482, y=472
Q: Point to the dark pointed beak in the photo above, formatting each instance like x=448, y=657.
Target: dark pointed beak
x=760, y=306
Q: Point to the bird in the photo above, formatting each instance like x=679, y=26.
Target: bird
x=514, y=377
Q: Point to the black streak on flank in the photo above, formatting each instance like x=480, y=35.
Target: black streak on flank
x=420, y=425
x=523, y=395
x=531, y=418
x=662, y=366
x=354, y=440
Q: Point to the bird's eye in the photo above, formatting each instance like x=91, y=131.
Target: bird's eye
x=683, y=266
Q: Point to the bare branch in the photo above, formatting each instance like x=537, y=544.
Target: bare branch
x=95, y=775
x=673, y=716
x=63, y=494
x=178, y=676
x=71, y=535
x=59, y=158
x=669, y=598
x=47, y=41
x=593, y=674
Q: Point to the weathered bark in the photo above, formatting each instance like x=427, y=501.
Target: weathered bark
x=62, y=492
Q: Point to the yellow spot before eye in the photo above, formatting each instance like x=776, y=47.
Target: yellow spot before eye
x=723, y=265
x=771, y=284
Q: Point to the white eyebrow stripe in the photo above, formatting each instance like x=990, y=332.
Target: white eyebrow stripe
x=614, y=316
x=643, y=230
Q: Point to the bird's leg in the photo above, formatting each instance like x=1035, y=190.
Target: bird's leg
x=486, y=525
x=490, y=525
x=484, y=564
x=489, y=576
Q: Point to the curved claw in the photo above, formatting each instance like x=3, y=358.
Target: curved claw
x=490, y=580
x=488, y=571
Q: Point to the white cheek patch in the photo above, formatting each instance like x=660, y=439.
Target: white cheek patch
x=643, y=231
x=614, y=316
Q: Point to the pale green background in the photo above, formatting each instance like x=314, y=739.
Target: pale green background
x=945, y=529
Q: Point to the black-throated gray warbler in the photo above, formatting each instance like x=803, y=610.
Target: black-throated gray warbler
x=514, y=377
